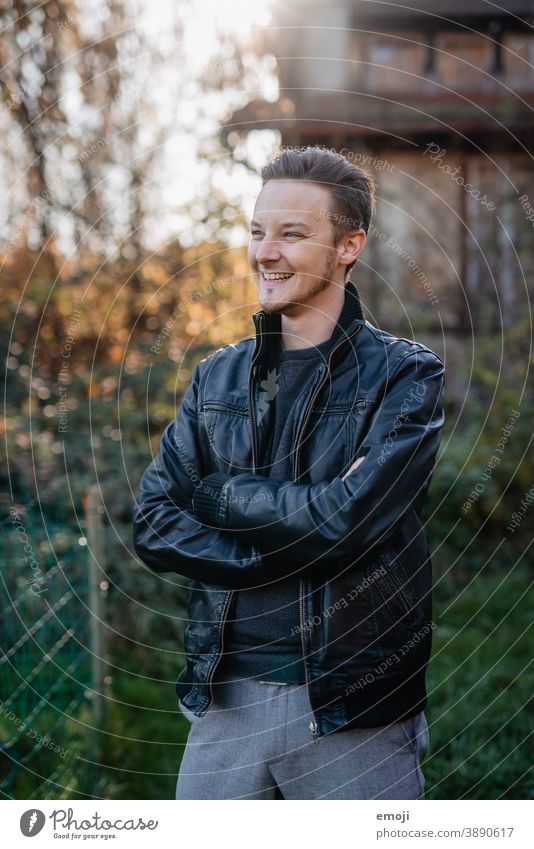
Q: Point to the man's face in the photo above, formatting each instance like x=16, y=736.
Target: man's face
x=291, y=234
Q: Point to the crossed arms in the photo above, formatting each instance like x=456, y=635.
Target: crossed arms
x=239, y=530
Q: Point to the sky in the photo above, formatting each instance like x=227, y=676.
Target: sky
x=185, y=179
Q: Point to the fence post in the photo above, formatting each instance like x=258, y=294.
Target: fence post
x=97, y=548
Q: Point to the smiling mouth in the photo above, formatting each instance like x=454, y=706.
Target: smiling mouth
x=277, y=276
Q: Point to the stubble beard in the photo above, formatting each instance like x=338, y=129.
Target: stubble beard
x=322, y=283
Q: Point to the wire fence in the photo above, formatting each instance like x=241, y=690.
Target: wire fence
x=51, y=663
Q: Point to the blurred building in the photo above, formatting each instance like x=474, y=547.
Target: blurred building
x=436, y=101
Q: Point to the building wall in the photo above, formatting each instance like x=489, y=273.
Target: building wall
x=440, y=258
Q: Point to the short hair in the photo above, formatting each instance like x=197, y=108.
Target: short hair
x=352, y=188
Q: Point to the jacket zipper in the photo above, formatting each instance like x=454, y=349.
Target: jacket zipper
x=231, y=593
x=251, y=411
x=313, y=725
x=310, y=406
x=221, y=647
x=253, y=449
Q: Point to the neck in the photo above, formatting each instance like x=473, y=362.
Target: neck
x=313, y=323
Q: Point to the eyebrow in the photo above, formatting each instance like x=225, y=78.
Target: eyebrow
x=284, y=224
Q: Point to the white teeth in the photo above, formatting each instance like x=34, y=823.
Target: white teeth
x=277, y=276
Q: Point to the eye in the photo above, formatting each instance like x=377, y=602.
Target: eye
x=296, y=235
x=255, y=233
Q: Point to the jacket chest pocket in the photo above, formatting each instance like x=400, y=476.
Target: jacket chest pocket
x=227, y=432
x=330, y=440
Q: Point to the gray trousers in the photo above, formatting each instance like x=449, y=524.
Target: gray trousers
x=256, y=741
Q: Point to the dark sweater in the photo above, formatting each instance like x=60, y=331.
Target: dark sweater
x=263, y=638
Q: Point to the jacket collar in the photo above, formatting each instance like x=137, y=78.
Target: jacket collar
x=269, y=325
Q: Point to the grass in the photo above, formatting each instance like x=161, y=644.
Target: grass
x=480, y=685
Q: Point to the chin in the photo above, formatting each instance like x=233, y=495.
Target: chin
x=271, y=301
x=284, y=307
x=274, y=306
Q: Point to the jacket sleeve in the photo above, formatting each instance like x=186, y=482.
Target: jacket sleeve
x=167, y=535
x=343, y=518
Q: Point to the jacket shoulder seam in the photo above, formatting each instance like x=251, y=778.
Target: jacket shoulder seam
x=223, y=349
x=421, y=348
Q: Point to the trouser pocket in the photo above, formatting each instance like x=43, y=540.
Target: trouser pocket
x=415, y=730
x=188, y=714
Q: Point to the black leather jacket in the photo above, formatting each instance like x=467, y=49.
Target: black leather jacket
x=355, y=540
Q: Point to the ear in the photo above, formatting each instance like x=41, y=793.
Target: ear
x=351, y=246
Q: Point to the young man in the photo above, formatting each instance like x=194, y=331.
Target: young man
x=288, y=490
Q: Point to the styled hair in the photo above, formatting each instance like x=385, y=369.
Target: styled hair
x=352, y=189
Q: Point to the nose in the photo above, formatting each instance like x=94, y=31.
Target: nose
x=267, y=250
